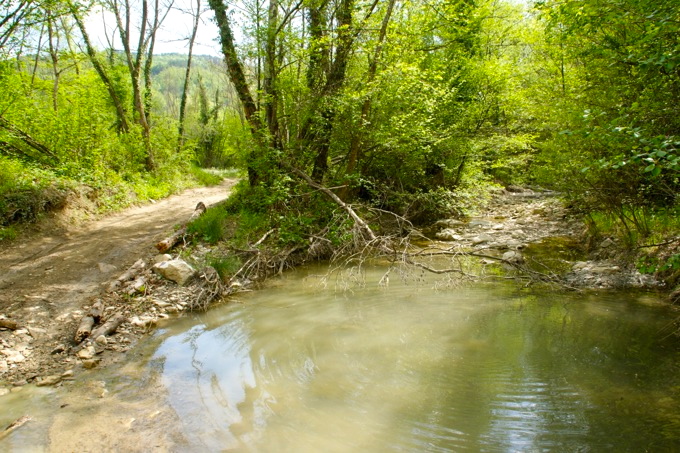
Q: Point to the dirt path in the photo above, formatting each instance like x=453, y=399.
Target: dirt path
x=44, y=280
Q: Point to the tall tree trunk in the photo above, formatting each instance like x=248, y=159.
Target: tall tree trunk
x=238, y=80
x=187, y=77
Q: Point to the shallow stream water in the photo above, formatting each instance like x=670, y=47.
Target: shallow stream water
x=315, y=363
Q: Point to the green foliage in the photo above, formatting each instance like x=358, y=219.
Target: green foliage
x=225, y=264
x=8, y=233
x=27, y=191
x=210, y=227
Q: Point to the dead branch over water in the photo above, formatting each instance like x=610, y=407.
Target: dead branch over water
x=396, y=248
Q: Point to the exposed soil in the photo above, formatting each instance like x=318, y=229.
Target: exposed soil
x=49, y=278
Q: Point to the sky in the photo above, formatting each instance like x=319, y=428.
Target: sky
x=173, y=37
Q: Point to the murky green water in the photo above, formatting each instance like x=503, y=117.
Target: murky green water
x=302, y=368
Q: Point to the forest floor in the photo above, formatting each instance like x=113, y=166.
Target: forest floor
x=50, y=275
x=51, y=278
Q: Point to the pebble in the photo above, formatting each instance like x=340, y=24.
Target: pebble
x=86, y=353
x=48, y=381
x=90, y=363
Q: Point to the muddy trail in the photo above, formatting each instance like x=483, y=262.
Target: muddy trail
x=47, y=278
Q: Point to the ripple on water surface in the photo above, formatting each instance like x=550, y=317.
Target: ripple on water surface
x=488, y=368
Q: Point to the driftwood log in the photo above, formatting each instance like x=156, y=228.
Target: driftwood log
x=109, y=327
x=8, y=324
x=169, y=242
x=88, y=322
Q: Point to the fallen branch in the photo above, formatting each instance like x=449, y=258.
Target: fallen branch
x=128, y=275
x=88, y=322
x=14, y=426
x=358, y=220
x=109, y=326
x=27, y=139
x=169, y=242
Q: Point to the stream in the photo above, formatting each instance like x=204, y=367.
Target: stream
x=336, y=363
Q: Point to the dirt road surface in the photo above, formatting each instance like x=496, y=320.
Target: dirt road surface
x=44, y=279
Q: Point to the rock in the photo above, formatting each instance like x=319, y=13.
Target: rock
x=579, y=265
x=448, y=223
x=446, y=235
x=607, y=243
x=498, y=227
x=514, y=189
x=90, y=363
x=513, y=257
x=13, y=356
x=58, y=349
x=481, y=239
x=67, y=374
x=86, y=353
x=160, y=258
x=3, y=391
x=101, y=340
x=177, y=270
x=106, y=268
x=3, y=366
x=48, y=381
x=36, y=332
x=143, y=321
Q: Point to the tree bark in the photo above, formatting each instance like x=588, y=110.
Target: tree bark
x=270, y=94
x=238, y=79
x=109, y=326
x=88, y=322
x=234, y=67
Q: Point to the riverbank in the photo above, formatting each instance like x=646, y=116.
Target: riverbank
x=519, y=231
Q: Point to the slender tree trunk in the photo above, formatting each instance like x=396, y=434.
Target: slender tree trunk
x=68, y=30
x=135, y=68
x=37, y=55
x=54, y=56
x=270, y=94
x=355, y=144
x=334, y=82
x=92, y=55
x=187, y=77
x=238, y=80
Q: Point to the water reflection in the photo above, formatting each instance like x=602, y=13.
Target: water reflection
x=299, y=368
